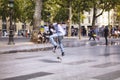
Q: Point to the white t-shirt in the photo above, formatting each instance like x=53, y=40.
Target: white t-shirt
x=59, y=29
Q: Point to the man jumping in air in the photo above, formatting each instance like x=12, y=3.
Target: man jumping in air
x=59, y=34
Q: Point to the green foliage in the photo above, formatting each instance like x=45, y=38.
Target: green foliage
x=58, y=10
x=50, y=10
x=54, y=10
x=118, y=12
x=4, y=10
x=79, y=6
x=25, y=10
x=61, y=16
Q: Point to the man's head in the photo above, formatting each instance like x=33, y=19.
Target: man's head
x=54, y=24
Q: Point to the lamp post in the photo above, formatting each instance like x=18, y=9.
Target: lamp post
x=11, y=40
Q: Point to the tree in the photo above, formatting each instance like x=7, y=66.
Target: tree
x=103, y=5
x=79, y=7
x=24, y=11
x=118, y=14
x=56, y=8
x=37, y=14
x=36, y=19
x=4, y=10
x=53, y=11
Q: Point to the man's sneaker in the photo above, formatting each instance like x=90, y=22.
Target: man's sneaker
x=63, y=54
x=54, y=49
x=59, y=58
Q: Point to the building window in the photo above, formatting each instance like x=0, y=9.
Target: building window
x=89, y=20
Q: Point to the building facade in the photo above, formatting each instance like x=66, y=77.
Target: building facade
x=105, y=19
x=18, y=28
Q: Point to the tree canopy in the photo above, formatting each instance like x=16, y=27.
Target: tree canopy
x=56, y=10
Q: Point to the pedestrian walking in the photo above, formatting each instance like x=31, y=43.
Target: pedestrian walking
x=91, y=34
x=106, y=33
x=59, y=34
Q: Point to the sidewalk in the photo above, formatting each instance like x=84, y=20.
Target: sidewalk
x=30, y=46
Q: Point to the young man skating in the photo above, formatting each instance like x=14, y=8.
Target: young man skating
x=59, y=34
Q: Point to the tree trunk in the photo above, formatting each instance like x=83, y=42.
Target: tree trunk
x=79, y=32
x=36, y=20
x=94, y=15
x=70, y=19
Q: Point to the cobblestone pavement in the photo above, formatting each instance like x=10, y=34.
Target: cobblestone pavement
x=94, y=62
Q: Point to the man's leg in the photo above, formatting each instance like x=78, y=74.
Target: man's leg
x=61, y=45
x=53, y=41
x=106, y=41
x=90, y=38
x=93, y=37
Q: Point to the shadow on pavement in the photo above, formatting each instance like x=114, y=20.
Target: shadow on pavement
x=49, y=61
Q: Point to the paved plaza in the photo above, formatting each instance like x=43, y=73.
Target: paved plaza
x=84, y=62
x=87, y=60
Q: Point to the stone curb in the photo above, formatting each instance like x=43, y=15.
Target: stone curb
x=49, y=47
x=27, y=50
x=32, y=49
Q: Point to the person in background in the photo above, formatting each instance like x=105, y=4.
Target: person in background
x=91, y=34
x=51, y=29
x=106, y=34
x=40, y=37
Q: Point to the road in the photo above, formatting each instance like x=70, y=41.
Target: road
x=96, y=62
